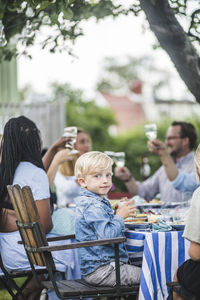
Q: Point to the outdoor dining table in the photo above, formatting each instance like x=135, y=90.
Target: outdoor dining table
x=160, y=254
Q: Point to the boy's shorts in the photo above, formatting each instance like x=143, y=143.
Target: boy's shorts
x=188, y=275
x=105, y=275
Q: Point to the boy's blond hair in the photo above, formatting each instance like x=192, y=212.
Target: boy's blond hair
x=92, y=162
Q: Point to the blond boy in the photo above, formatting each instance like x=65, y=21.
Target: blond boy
x=95, y=220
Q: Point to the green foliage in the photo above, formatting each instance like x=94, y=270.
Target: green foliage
x=4, y=295
x=86, y=114
x=65, y=17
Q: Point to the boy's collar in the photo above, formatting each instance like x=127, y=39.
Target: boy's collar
x=89, y=193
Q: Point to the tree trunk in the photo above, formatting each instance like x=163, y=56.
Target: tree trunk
x=174, y=41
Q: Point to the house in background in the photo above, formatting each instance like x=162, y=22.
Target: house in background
x=135, y=108
x=127, y=112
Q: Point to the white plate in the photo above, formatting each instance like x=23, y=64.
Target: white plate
x=149, y=204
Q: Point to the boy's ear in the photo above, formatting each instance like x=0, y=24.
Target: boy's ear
x=81, y=182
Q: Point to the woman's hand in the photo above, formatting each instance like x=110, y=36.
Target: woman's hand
x=62, y=156
x=59, y=158
x=51, y=152
x=127, y=209
x=60, y=143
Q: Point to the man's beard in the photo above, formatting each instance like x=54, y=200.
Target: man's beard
x=175, y=153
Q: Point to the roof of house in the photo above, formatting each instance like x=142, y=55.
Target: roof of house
x=127, y=112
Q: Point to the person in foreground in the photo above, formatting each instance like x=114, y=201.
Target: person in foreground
x=188, y=273
x=176, y=177
x=95, y=220
x=21, y=163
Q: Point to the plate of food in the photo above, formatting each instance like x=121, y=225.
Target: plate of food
x=138, y=226
x=137, y=221
x=154, y=203
x=173, y=204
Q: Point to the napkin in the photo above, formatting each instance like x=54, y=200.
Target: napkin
x=161, y=226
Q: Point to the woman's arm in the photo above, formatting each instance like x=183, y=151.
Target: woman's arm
x=9, y=223
x=44, y=211
x=49, y=155
x=60, y=157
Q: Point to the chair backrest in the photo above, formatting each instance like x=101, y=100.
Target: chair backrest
x=29, y=224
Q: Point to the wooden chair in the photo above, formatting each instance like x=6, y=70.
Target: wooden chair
x=176, y=287
x=39, y=252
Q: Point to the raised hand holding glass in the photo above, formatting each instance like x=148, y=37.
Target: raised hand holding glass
x=71, y=134
x=151, y=131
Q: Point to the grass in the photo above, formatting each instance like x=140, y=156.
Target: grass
x=4, y=295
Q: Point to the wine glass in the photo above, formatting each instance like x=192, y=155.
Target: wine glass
x=71, y=134
x=111, y=154
x=150, y=131
x=119, y=159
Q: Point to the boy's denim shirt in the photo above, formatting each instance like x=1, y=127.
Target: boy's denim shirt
x=95, y=220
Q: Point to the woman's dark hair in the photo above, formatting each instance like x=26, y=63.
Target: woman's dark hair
x=187, y=130
x=20, y=142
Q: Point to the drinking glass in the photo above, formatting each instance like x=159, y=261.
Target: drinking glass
x=119, y=159
x=111, y=154
x=150, y=131
x=71, y=134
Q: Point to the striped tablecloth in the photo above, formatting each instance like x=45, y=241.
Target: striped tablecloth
x=160, y=253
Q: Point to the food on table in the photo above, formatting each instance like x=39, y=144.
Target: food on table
x=157, y=201
x=138, y=218
x=152, y=218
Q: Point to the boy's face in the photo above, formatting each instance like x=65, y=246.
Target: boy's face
x=98, y=183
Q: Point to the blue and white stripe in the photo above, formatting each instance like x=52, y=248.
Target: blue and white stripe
x=161, y=254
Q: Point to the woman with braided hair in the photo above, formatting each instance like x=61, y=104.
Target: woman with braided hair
x=21, y=163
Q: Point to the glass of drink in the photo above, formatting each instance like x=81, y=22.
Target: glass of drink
x=119, y=159
x=111, y=154
x=71, y=134
x=151, y=131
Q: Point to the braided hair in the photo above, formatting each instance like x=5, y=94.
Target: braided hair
x=20, y=142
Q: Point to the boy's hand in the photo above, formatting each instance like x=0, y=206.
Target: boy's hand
x=127, y=209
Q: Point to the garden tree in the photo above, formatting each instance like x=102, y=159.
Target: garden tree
x=26, y=17
x=175, y=41
x=85, y=113
x=22, y=20
x=117, y=74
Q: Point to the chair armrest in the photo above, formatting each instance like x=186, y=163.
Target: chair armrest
x=56, y=238
x=117, y=240
x=62, y=237
x=173, y=284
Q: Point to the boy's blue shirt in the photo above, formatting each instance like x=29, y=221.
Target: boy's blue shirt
x=95, y=220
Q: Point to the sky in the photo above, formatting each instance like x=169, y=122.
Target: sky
x=108, y=38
